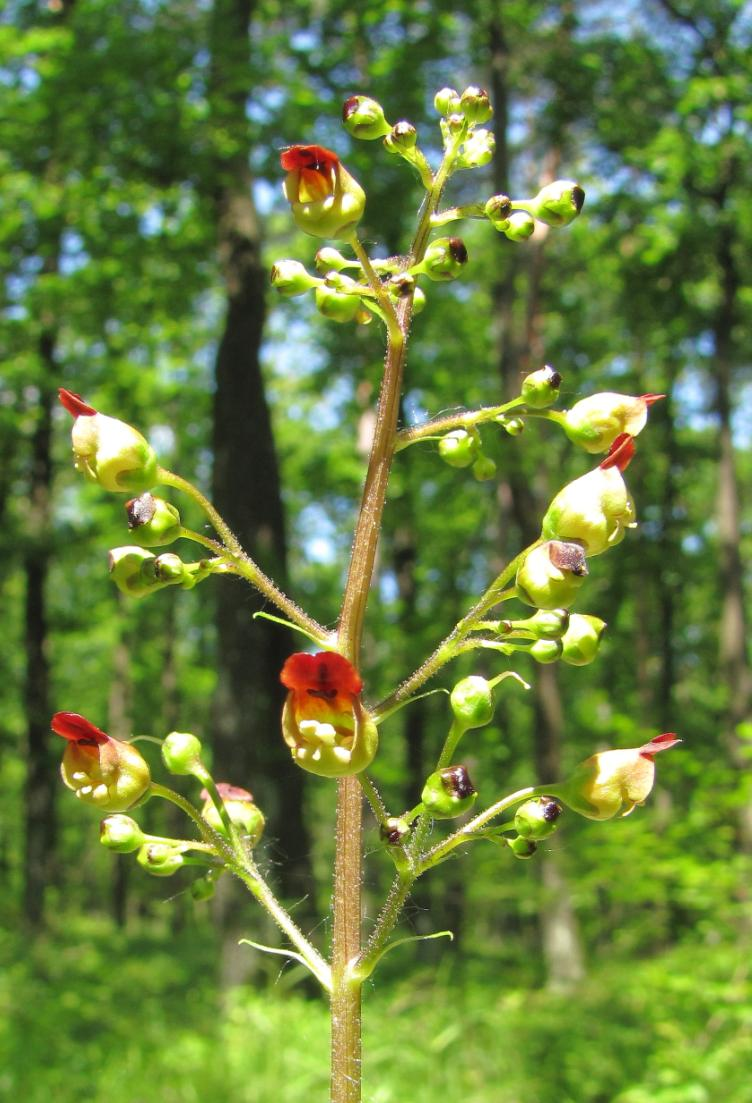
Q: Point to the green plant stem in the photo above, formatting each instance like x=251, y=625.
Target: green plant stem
x=464, y=834
x=465, y=420
x=242, y=562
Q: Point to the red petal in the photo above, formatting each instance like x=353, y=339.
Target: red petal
x=74, y=404
x=324, y=672
x=659, y=743
x=620, y=452
x=649, y=399
x=308, y=157
x=77, y=729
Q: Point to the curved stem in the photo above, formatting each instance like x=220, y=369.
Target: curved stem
x=465, y=833
x=465, y=420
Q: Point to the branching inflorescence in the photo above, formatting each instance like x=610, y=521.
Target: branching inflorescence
x=328, y=727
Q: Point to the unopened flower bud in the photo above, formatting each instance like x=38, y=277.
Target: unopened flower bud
x=447, y=101
x=336, y=305
x=522, y=847
x=459, y=448
x=107, y=451
x=329, y=259
x=595, y=422
x=551, y=574
x=484, y=468
x=472, y=703
x=546, y=651
x=444, y=260
x=401, y=285
x=203, y=888
x=612, y=783
x=364, y=118
x=181, y=754
x=448, y=793
x=538, y=818
x=326, y=201
x=291, y=278
x=557, y=204
x=477, y=151
x=548, y=624
x=137, y=572
x=155, y=521
x=121, y=834
x=582, y=639
x=519, y=226
x=541, y=388
x=402, y=138
x=497, y=211
x=240, y=808
x=160, y=859
x=393, y=830
x=595, y=509
x=513, y=426
x=475, y=105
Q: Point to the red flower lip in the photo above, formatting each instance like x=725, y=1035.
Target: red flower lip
x=620, y=453
x=649, y=399
x=77, y=729
x=326, y=675
x=74, y=404
x=308, y=158
x=659, y=743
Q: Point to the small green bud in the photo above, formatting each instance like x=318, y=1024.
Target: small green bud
x=203, y=888
x=546, y=651
x=558, y=203
x=121, y=834
x=477, y=151
x=452, y=125
x=136, y=572
x=240, y=808
x=497, y=211
x=472, y=702
x=520, y=225
x=329, y=259
x=401, y=285
x=364, y=118
x=156, y=521
x=336, y=305
x=548, y=624
x=551, y=574
x=291, y=278
x=181, y=754
x=538, y=818
x=475, y=105
x=582, y=639
x=393, y=830
x=512, y=425
x=402, y=138
x=444, y=260
x=459, y=448
x=447, y=101
x=448, y=793
x=484, y=468
x=521, y=847
x=541, y=388
x=159, y=859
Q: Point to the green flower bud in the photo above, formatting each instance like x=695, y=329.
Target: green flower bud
x=497, y=211
x=447, y=101
x=558, y=203
x=419, y=300
x=521, y=847
x=156, y=521
x=291, y=278
x=484, y=468
x=551, y=574
x=595, y=509
x=159, y=859
x=459, y=448
x=448, y=793
x=329, y=259
x=401, y=285
x=582, y=639
x=136, y=572
x=393, y=830
x=541, y=388
x=121, y=834
x=109, y=452
x=181, y=754
x=512, y=425
x=520, y=225
x=475, y=105
x=546, y=651
x=538, y=818
x=472, y=703
x=203, y=888
x=548, y=624
x=336, y=305
x=595, y=422
x=402, y=138
x=326, y=201
x=240, y=808
x=477, y=151
x=364, y=118
x=444, y=260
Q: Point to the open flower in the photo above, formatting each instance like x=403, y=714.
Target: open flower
x=596, y=509
x=324, y=723
x=612, y=783
x=326, y=200
x=595, y=422
x=100, y=770
x=108, y=451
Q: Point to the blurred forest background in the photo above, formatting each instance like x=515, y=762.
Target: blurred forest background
x=140, y=212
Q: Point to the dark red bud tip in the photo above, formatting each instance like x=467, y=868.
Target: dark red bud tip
x=349, y=107
x=458, y=250
x=649, y=399
x=76, y=728
x=578, y=197
x=327, y=674
x=74, y=404
x=620, y=453
x=228, y=792
x=661, y=743
x=308, y=157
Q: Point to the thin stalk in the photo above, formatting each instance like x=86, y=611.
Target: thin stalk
x=464, y=834
x=465, y=420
